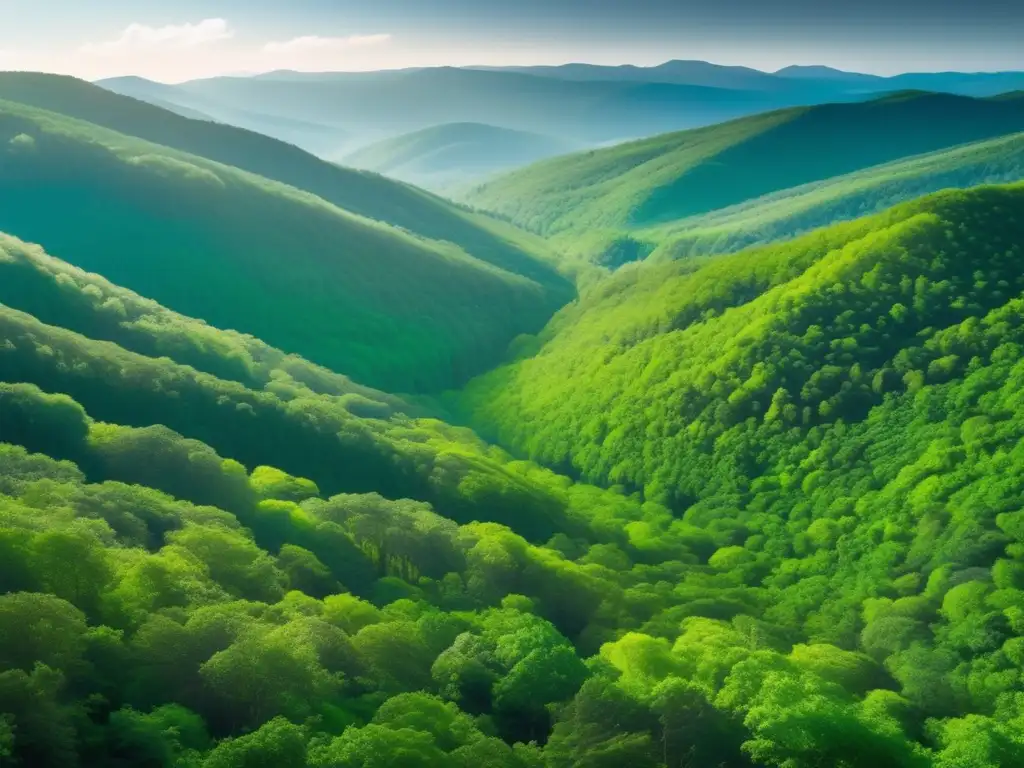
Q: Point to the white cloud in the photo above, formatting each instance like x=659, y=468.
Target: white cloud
x=315, y=43
x=141, y=38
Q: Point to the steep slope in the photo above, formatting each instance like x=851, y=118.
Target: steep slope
x=130, y=361
x=849, y=595
x=453, y=152
x=689, y=378
x=684, y=174
x=800, y=209
x=362, y=193
x=384, y=306
x=64, y=296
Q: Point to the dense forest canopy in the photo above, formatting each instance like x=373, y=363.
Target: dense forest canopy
x=740, y=508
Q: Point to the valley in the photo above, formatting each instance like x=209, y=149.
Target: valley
x=568, y=416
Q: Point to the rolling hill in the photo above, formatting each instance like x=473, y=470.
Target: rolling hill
x=213, y=553
x=454, y=152
x=359, y=192
x=131, y=361
x=671, y=377
x=389, y=308
x=674, y=176
x=797, y=210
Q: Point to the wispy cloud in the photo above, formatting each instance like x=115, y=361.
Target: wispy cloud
x=140, y=37
x=315, y=43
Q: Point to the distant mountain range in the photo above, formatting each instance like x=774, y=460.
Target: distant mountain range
x=801, y=80
x=335, y=113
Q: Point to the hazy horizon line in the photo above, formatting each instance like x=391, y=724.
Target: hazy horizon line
x=569, y=63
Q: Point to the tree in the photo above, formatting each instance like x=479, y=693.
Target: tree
x=376, y=746
x=544, y=676
x=276, y=744
x=272, y=483
x=40, y=629
x=306, y=573
x=262, y=675
x=43, y=726
x=465, y=672
x=73, y=566
x=396, y=654
x=234, y=562
x=6, y=737
x=157, y=738
x=424, y=712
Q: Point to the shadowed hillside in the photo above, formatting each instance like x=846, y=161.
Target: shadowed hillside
x=797, y=210
x=386, y=307
x=362, y=193
x=685, y=174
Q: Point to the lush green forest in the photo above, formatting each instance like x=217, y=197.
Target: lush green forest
x=831, y=592
x=275, y=261
x=800, y=209
x=758, y=507
x=591, y=202
x=363, y=193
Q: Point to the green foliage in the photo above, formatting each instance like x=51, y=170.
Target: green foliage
x=276, y=261
x=614, y=205
x=794, y=211
x=808, y=553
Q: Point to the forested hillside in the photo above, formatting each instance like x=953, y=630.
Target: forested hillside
x=387, y=307
x=717, y=463
x=800, y=209
x=846, y=407
x=217, y=555
x=598, y=197
x=362, y=193
x=666, y=367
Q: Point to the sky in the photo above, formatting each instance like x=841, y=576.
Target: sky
x=186, y=39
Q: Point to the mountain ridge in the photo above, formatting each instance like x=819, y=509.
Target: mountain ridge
x=669, y=177
x=278, y=262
